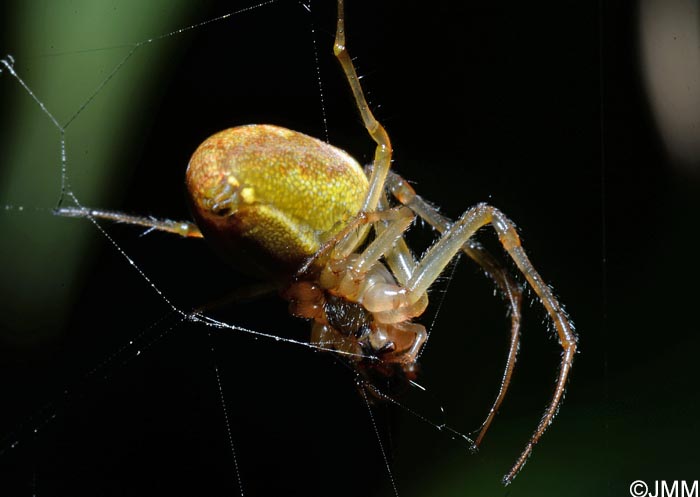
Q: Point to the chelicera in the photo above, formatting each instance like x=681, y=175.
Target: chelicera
x=330, y=237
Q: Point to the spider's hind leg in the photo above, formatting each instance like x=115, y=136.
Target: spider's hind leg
x=454, y=239
x=504, y=281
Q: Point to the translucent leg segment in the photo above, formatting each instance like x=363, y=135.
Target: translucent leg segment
x=510, y=289
x=455, y=238
x=182, y=228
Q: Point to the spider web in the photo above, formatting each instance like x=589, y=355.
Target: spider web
x=78, y=292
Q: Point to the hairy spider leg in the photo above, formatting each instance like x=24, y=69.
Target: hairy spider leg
x=399, y=258
x=510, y=289
x=439, y=255
x=186, y=229
x=382, y=154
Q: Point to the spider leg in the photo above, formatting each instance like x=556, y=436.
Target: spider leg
x=439, y=255
x=348, y=278
x=182, y=228
x=509, y=288
x=395, y=223
x=382, y=155
x=383, y=151
x=513, y=292
x=567, y=338
x=399, y=257
x=338, y=248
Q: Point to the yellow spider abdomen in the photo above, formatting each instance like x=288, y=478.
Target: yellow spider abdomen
x=267, y=197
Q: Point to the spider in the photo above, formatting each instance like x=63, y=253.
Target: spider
x=329, y=236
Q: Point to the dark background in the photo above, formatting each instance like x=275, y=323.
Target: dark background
x=536, y=109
